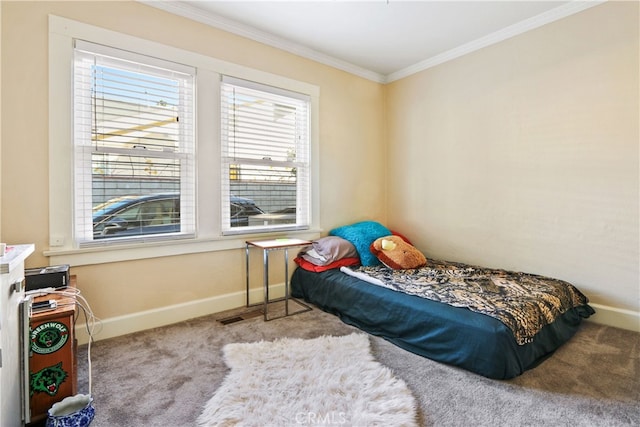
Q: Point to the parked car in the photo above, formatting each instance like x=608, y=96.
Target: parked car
x=154, y=214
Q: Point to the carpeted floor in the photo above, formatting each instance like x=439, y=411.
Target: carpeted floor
x=165, y=376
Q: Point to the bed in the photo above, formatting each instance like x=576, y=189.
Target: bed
x=394, y=304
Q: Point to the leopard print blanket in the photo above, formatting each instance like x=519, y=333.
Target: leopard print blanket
x=523, y=302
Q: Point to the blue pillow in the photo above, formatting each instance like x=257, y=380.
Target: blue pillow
x=362, y=235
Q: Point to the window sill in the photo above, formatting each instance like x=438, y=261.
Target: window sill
x=104, y=255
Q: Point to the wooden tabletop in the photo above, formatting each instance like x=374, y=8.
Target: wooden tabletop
x=278, y=243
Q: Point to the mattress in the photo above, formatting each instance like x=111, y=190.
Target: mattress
x=439, y=331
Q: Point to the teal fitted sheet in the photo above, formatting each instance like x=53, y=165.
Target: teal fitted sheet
x=438, y=331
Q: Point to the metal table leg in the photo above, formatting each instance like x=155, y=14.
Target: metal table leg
x=246, y=263
x=265, y=281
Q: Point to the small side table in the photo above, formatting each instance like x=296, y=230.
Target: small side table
x=268, y=246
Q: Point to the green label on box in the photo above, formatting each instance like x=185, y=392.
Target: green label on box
x=49, y=337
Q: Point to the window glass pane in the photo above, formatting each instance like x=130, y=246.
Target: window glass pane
x=134, y=110
x=115, y=175
x=139, y=216
x=265, y=145
x=135, y=147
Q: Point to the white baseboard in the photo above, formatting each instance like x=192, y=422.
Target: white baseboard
x=618, y=317
x=122, y=325
x=140, y=321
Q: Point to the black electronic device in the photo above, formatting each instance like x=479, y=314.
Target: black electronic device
x=55, y=276
x=40, y=306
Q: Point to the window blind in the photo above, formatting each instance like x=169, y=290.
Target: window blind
x=265, y=156
x=134, y=142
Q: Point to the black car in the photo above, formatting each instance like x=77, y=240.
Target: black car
x=154, y=214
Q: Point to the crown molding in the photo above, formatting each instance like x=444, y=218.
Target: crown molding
x=496, y=37
x=234, y=27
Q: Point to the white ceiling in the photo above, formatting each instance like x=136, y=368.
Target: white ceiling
x=377, y=39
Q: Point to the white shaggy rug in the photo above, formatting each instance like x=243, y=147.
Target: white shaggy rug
x=321, y=381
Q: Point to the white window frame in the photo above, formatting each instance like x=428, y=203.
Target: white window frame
x=62, y=247
x=301, y=163
x=85, y=54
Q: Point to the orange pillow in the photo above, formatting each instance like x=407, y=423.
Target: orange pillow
x=396, y=253
x=395, y=233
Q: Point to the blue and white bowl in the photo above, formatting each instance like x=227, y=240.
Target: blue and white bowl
x=72, y=411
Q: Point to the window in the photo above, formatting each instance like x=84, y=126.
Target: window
x=134, y=146
x=136, y=150
x=265, y=157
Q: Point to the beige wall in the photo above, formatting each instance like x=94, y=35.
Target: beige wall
x=351, y=120
x=524, y=155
